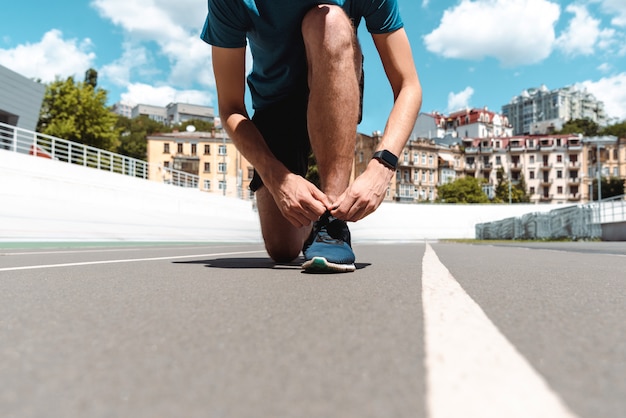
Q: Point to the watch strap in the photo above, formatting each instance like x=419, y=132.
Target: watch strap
x=387, y=158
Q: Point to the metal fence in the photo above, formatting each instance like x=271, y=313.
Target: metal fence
x=570, y=222
x=45, y=146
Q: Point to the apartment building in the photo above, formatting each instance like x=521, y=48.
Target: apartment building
x=209, y=155
x=542, y=111
x=466, y=123
x=173, y=114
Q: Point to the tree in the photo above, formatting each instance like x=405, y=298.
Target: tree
x=587, y=127
x=462, y=190
x=517, y=191
x=618, y=130
x=78, y=112
x=609, y=186
x=133, y=133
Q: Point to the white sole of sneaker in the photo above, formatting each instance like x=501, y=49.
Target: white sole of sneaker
x=321, y=265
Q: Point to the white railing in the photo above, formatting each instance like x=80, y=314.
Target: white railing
x=40, y=145
x=610, y=210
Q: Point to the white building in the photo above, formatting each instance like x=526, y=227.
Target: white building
x=554, y=107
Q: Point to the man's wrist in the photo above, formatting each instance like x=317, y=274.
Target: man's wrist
x=386, y=158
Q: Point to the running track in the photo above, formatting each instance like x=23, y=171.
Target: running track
x=419, y=330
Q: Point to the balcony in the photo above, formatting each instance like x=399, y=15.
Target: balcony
x=574, y=145
x=517, y=147
x=545, y=198
x=471, y=150
x=545, y=182
x=545, y=166
x=470, y=167
x=573, y=180
x=487, y=167
x=516, y=167
x=547, y=146
x=574, y=197
x=574, y=164
x=485, y=150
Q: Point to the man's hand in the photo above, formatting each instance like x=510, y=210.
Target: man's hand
x=364, y=195
x=299, y=200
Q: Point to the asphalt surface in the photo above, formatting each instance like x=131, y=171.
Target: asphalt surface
x=211, y=330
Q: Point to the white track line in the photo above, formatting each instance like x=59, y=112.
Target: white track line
x=129, y=260
x=473, y=371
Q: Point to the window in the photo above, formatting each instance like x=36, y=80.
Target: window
x=531, y=190
x=166, y=148
x=207, y=150
x=531, y=174
x=361, y=156
x=498, y=160
x=531, y=159
x=221, y=167
x=559, y=189
x=250, y=173
x=179, y=148
x=207, y=167
x=207, y=184
x=221, y=150
x=222, y=185
x=166, y=164
x=430, y=160
x=431, y=176
x=194, y=149
x=416, y=175
x=416, y=158
x=406, y=157
x=423, y=159
x=424, y=175
x=559, y=158
x=559, y=174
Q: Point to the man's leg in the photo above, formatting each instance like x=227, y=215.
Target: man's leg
x=283, y=241
x=334, y=61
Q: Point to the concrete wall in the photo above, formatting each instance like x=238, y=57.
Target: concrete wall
x=615, y=231
x=46, y=200
x=20, y=99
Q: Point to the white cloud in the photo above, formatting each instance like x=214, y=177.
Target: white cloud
x=173, y=26
x=611, y=91
x=461, y=100
x=583, y=34
x=119, y=71
x=515, y=32
x=616, y=9
x=50, y=58
x=162, y=96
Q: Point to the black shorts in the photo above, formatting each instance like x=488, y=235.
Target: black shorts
x=283, y=125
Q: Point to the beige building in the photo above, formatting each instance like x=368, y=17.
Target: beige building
x=211, y=156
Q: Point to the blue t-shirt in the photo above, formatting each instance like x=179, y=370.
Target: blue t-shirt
x=273, y=30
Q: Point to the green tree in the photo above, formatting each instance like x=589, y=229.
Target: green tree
x=517, y=191
x=609, y=186
x=78, y=112
x=587, y=127
x=133, y=134
x=198, y=124
x=462, y=190
x=618, y=130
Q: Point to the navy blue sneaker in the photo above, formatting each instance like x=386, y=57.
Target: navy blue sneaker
x=328, y=248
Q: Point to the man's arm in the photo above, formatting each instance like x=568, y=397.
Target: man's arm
x=368, y=190
x=298, y=199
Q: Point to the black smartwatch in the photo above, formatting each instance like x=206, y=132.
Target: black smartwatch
x=386, y=158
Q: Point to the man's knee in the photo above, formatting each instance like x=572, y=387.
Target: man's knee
x=328, y=25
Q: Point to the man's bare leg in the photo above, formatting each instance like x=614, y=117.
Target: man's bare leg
x=334, y=61
x=283, y=241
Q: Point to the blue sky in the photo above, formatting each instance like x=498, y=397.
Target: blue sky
x=469, y=53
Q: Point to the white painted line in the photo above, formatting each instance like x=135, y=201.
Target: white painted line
x=130, y=260
x=473, y=371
